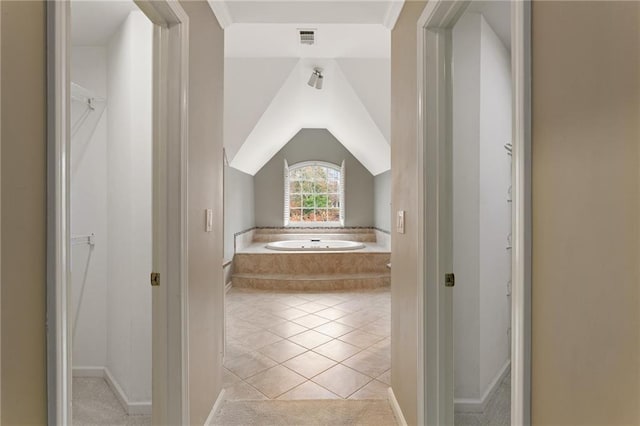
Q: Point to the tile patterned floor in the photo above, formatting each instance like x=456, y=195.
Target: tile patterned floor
x=300, y=345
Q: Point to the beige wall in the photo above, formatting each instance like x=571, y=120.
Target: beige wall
x=586, y=136
x=23, y=213
x=206, y=51
x=404, y=175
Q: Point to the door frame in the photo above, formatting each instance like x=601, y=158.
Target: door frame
x=170, y=344
x=435, y=310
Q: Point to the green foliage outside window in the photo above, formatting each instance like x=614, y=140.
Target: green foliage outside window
x=314, y=194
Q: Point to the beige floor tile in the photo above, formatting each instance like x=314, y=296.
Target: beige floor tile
x=287, y=329
x=334, y=329
x=382, y=344
x=264, y=320
x=331, y=313
x=329, y=299
x=377, y=328
x=341, y=380
x=337, y=350
x=273, y=307
x=310, y=339
x=351, y=306
x=311, y=307
x=228, y=378
x=234, y=349
x=310, y=321
x=239, y=329
x=292, y=300
x=385, y=377
x=372, y=390
x=359, y=319
x=249, y=364
x=242, y=391
x=275, y=381
x=381, y=351
x=260, y=339
x=309, y=364
x=308, y=390
x=291, y=313
x=369, y=363
x=282, y=350
x=360, y=338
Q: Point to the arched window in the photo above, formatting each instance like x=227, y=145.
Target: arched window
x=313, y=194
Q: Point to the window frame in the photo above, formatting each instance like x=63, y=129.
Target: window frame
x=287, y=194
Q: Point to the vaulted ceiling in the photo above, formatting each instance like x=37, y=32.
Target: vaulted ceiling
x=267, y=99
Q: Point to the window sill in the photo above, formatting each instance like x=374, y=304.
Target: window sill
x=323, y=225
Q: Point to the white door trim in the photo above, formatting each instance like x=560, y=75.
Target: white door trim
x=522, y=211
x=0, y=224
x=58, y=207
x=435, y=354
x=170, y=226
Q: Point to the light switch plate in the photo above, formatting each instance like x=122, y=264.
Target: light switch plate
x=400, y=222
x=208, y=227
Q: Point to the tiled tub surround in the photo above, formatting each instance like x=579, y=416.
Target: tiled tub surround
x=366, y=235
x=258, y=267
x=300, y=345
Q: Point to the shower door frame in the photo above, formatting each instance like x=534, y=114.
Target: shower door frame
x=170, y=398
x=435, y=301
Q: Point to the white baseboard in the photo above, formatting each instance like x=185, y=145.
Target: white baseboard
x=478, y=405
x=131, y=408
x=395, y=407
x=228, y=286
x=215, y=408
x=88, y=372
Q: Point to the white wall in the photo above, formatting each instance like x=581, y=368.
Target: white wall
x=111, y=197
x=482, y=216
x=89, y=213
x=239, y=209
x=495, y=211
x=382, y=201
x=129, y=206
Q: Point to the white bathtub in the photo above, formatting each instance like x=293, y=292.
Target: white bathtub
x=315, y=245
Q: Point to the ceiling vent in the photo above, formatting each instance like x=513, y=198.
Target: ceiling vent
x=307, y=37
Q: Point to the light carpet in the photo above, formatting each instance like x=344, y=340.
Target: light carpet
x=305, y=413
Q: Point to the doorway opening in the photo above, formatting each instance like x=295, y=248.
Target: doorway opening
x=111, y=211
x=474, y=135
x=482, y=211
x=307, y=212
x=137, y=185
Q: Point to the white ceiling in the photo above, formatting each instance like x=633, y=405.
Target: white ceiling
x=93, y=22
x=382, y=12
x=282, y=40
x=497, y=13
x=267, y=101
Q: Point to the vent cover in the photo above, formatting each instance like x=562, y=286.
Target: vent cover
x=307, y=37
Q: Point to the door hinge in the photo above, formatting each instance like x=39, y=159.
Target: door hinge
x=449, y=280
x=155, y=279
